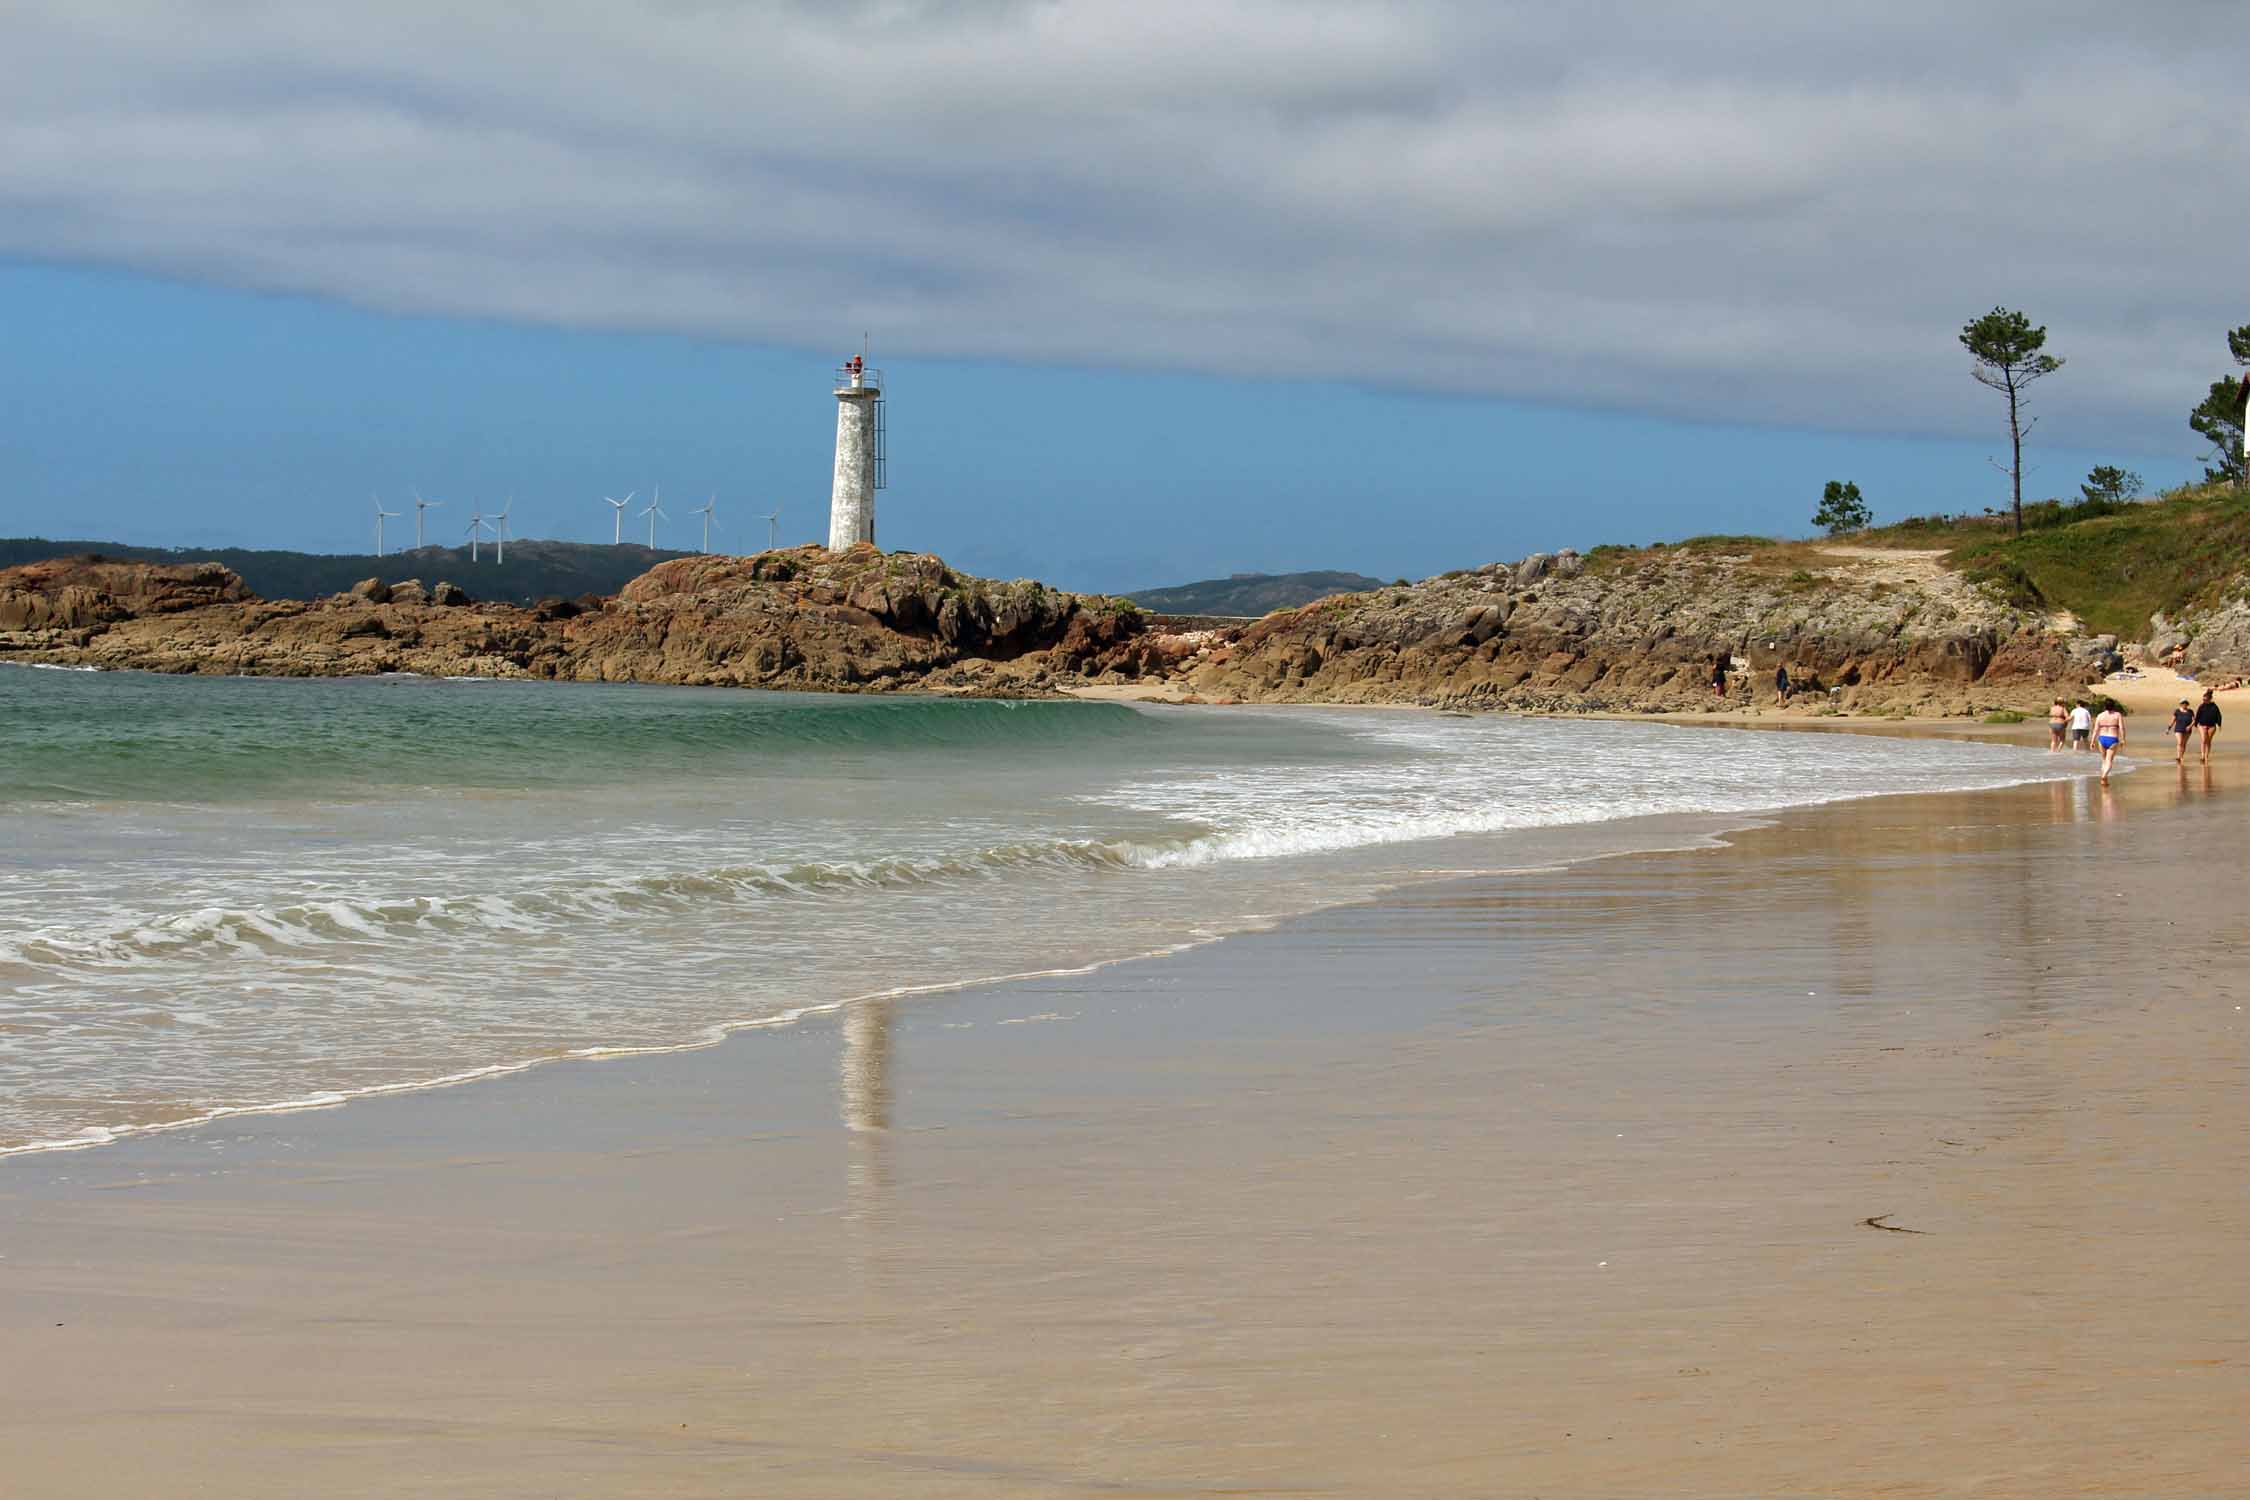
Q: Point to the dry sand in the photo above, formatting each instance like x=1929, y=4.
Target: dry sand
x=1550, y=1185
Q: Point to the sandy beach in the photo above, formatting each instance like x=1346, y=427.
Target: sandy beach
x=1892, y=1149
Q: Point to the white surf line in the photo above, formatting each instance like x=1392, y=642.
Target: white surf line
x=718, y=1032
x=711, y=1036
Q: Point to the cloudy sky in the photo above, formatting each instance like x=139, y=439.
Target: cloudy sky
x=1174, y=284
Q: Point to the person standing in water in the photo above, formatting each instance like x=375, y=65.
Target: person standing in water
x=2109, y=733
x=2207, y=720
x=2058, y=719
x=2183, y=724
x=2081, y=724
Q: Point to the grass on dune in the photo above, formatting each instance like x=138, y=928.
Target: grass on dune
x=2114, y=570
x=2110, y=563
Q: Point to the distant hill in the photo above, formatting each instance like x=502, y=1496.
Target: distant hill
x=533, y=570
x=1251, y=593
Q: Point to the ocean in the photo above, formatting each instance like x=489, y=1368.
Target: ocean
x=233, y=894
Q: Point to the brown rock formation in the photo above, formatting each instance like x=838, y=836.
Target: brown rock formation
x=1638, y=632
x=860, y=620
x=72, y=593
x=1630, y=632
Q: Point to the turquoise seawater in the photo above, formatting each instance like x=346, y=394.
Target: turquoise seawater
x=145, y=736
x=225, y=894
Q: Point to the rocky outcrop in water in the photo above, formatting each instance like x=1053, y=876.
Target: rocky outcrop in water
x=802, y=618
x=1555, y=632
x=78, y=593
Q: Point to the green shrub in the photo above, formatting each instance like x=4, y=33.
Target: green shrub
x=1723, y=542
x=2044, y=515
x=2005, y=716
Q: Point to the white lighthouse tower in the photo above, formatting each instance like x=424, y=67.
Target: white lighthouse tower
x=860, y=459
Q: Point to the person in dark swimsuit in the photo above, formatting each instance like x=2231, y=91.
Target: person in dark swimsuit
x=2183, y=724
x=2207, y=720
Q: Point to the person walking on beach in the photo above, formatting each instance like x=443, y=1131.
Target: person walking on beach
x=2207, y=719
x=2183, y=724
x=1781, y=683
x=2081, y=724
x=2109, y=733
x=2058, y=719
x=1719, y=675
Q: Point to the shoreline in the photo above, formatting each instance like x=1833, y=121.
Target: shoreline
x=1144, y=1231
x=1705, y=829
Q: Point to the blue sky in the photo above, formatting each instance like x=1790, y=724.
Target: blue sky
x=1166, y=288
x=173, y=414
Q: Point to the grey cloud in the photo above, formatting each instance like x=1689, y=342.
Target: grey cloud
x=1750, y=211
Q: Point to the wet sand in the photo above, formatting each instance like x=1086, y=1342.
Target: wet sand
x=1556, y=1184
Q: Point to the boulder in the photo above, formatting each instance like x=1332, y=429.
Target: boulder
x=1481, y=624
x=83, y=592
x=409, y=591
x=373, y=590
x=451, y=595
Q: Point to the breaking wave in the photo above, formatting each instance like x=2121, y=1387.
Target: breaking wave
x=277, y=929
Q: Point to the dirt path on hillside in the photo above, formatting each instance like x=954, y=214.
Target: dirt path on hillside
x=1924, y=569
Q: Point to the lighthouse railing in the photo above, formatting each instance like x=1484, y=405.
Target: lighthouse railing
x=868, y=378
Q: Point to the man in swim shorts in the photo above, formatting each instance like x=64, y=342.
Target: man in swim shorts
x=2081, y=724
x=2109, y=733
x=2207, y=720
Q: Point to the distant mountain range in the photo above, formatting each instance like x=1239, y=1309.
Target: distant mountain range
x=533, y=570
x=1251, y=593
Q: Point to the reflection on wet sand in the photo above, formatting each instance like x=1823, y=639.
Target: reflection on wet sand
x=865, y=1095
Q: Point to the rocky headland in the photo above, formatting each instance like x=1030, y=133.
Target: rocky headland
x=801, y=618
x=1866, y=629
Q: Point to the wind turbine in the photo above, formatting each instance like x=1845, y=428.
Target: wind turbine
x=421, y=505
x=500, y=532
x=655, y=509
x=706, y=511
x=773, y=527
x=477, y=526
x=618, y=536
x=380, y=515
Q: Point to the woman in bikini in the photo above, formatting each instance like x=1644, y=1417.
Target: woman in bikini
x=2058, y=717
x=2109, y=733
